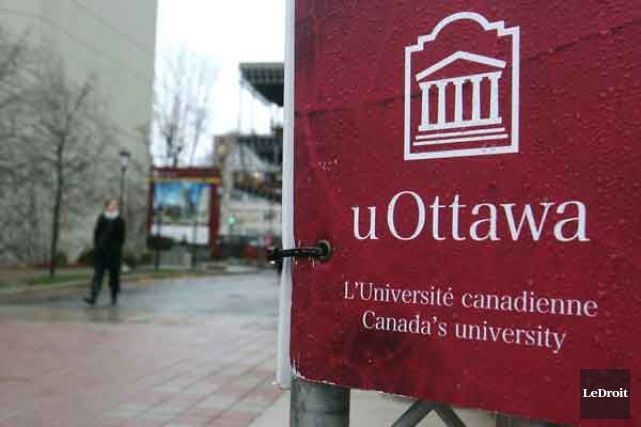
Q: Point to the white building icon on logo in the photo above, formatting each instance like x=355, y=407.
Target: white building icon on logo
x=470, y=113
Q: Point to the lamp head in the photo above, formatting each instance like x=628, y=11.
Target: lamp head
x=124, y=159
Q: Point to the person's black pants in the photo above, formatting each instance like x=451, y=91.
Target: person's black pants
x=100, y=267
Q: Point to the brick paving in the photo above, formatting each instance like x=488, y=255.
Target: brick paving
x=208, y=371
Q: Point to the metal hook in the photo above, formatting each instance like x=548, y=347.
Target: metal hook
x=322, y=251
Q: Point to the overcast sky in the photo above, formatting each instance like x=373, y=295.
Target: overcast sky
x=228, y=32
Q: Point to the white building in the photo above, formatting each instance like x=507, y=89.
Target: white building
x=113, y=40
x=251, y=189
x=251, y=165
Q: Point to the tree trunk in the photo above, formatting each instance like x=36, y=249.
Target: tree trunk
x=55, y=232
x=57, y=206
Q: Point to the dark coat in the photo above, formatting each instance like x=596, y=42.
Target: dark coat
x=109, y=236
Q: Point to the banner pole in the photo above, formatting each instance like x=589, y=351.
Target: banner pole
x=283, y=367
x=318, y=404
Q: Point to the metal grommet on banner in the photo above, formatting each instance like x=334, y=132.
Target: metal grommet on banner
x=322, y=251
x=327, y=250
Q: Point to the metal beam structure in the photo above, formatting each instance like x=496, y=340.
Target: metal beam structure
x=266, y=78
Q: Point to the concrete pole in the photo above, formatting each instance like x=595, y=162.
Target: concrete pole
x=509, y=421
x=318, y=405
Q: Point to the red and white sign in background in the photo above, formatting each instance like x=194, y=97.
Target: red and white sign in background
x=476, y=167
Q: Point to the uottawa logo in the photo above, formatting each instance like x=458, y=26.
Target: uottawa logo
x=462, y=90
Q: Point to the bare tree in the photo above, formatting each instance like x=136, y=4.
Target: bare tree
x=14, y=58
x=66, y=133
x=57, y=151
x=17, y=197
x=182, y=105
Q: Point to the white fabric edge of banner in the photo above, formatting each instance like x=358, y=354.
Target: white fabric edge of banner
x=283, y=367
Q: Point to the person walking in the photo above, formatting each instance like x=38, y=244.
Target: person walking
x=109, y=237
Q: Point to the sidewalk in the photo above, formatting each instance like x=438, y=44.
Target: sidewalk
x=176, y=353
x=372, y=409
x=37, y=277
x=63, y=374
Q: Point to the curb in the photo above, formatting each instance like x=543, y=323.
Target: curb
x=15, y=294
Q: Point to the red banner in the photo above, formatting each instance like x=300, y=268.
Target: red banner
x=476, y=167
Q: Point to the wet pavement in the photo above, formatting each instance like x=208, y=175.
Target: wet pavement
x=187, y=352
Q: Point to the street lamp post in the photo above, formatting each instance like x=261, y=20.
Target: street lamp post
x=124, y=162
x=158, y=217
